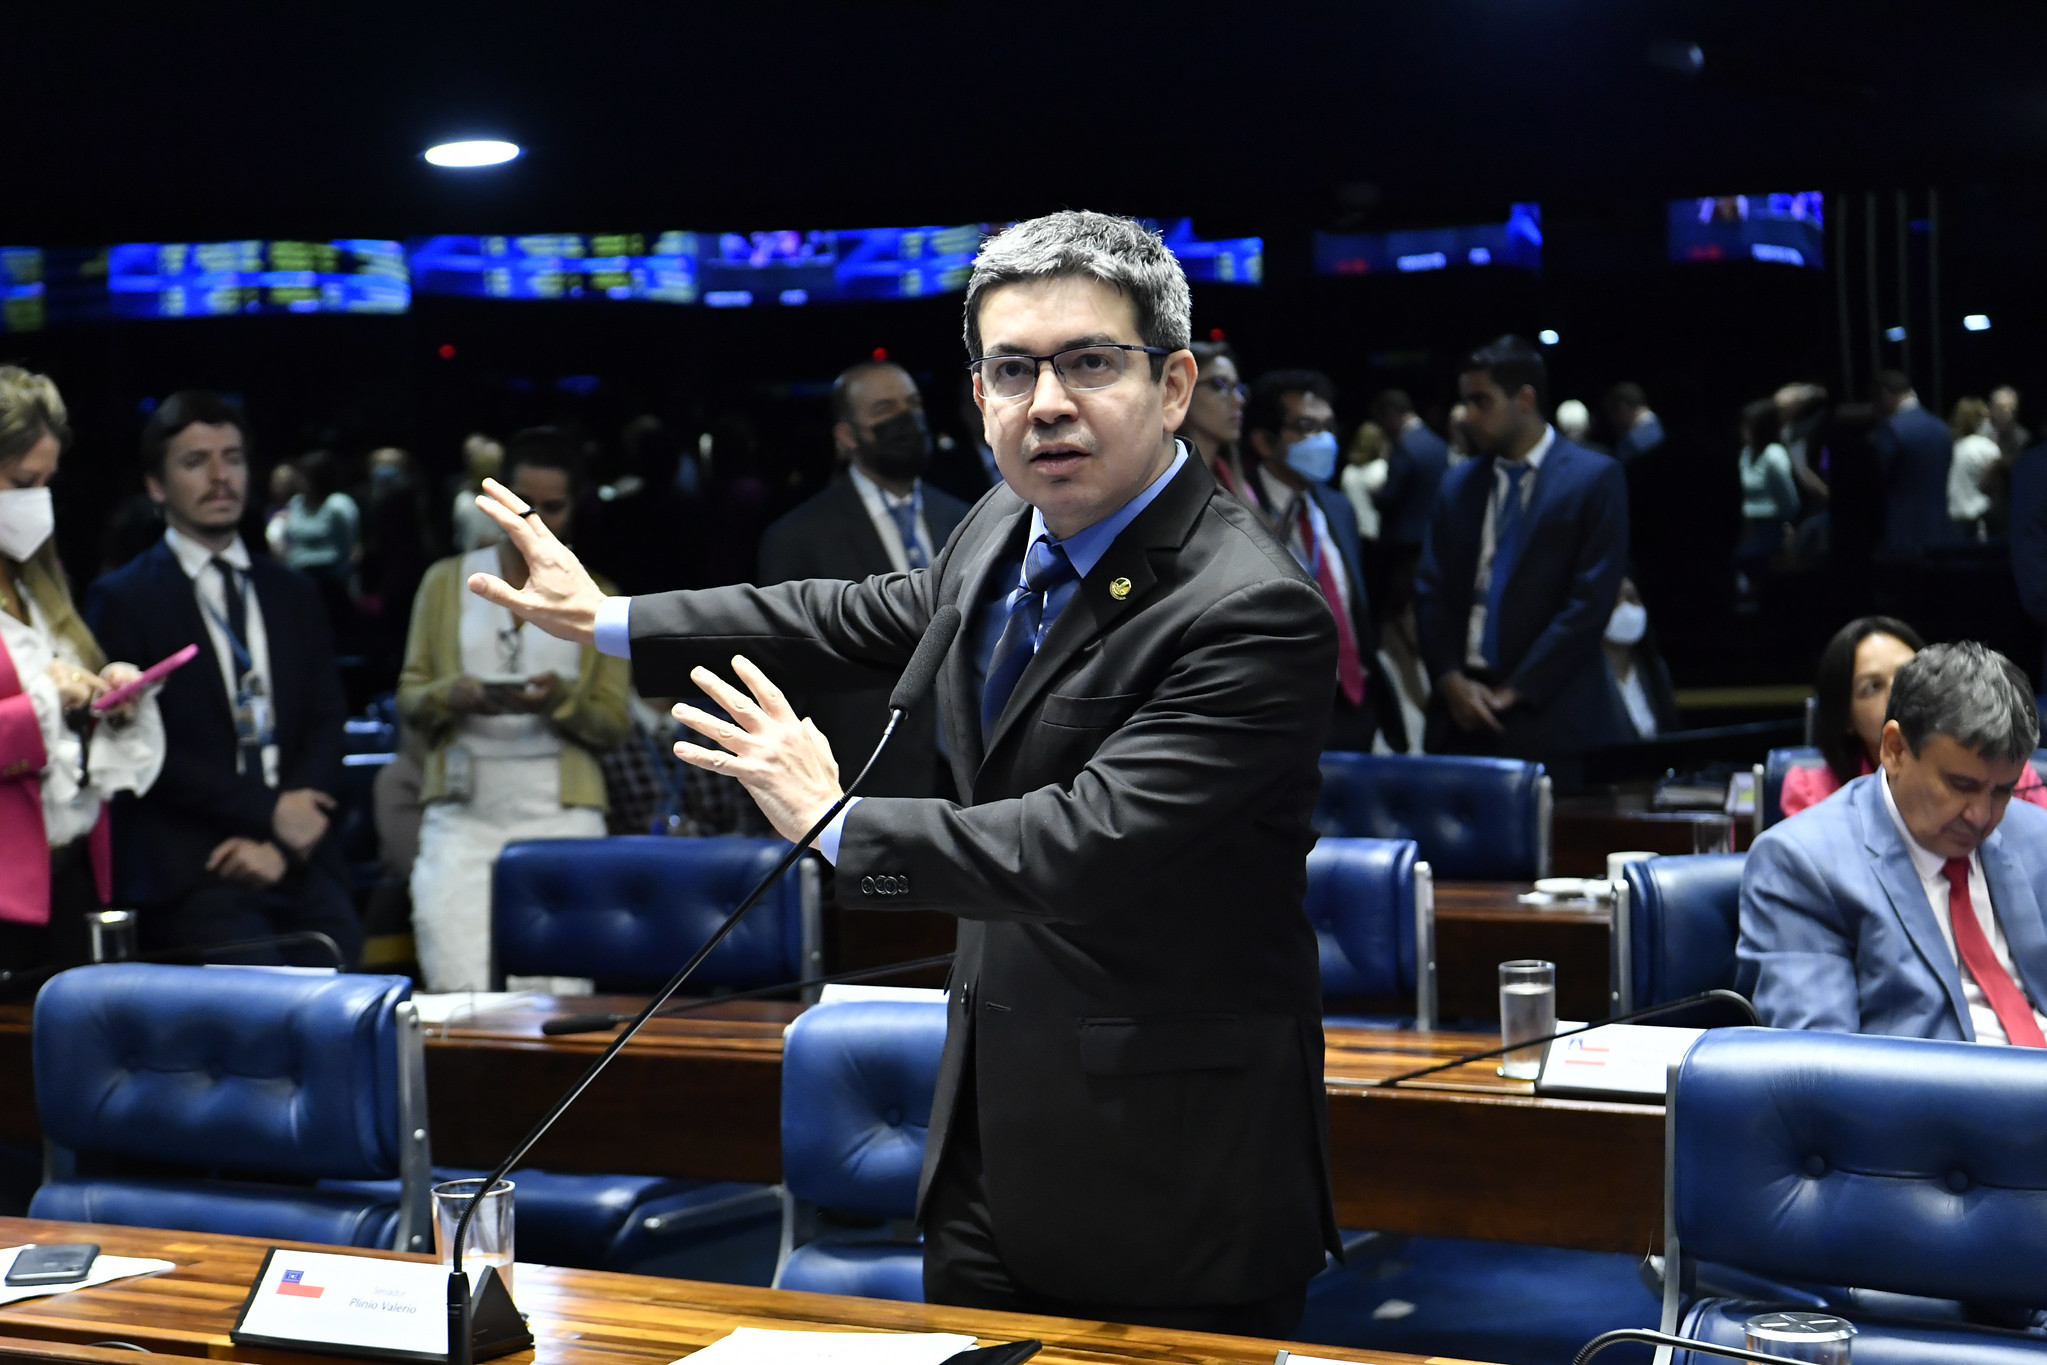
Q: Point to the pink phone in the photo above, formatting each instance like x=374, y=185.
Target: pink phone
x=151, y=676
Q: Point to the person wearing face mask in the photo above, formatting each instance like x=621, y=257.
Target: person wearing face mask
x=878, y=515
x=1636, y=666
x=58, y=764
x=1290, y=442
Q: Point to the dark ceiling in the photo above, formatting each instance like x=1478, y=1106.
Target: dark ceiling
x=193, y=122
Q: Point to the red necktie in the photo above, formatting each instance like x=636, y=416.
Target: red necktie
x=1350, y=674
x=2003, y=993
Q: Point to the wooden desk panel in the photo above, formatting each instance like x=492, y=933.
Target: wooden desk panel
x=1479, y=925
x=578, y=1317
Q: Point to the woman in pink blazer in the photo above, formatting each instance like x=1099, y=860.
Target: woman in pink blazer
x=58, y=765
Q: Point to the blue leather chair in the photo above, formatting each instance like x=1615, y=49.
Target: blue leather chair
x=1770, y=781
x=1474, y=819
x=252, y=1084
x=1911, y=1169
x=1373, y=905
x=1676, y=922
x=627, y=911
x=857, y=1082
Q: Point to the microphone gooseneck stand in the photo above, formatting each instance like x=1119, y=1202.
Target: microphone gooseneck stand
x=1670, y=1007
x=916, y=680
x=1665, y=1340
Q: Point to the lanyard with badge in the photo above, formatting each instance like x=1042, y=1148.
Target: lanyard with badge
x=255, y=719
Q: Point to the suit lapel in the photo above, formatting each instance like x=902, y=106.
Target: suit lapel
x=1000, y=551
x=2018, y=914
x=1900, y=881
x=1163, y=526
x=181, y=600
x=1556, y=468
x=866, y=541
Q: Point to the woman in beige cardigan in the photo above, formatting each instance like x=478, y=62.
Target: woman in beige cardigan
x=516, y=720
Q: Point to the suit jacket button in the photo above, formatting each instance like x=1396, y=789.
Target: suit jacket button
x=903, y=885
x=867, y=886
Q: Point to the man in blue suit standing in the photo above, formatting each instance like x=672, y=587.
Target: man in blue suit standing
x=1520, y=572
x=1913, y=451
x=1910, y=902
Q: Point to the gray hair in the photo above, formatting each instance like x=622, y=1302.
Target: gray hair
x=1119, y=252
x=1970, y=693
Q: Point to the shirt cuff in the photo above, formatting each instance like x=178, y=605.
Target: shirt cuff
x=614, y=634
x=828, y=840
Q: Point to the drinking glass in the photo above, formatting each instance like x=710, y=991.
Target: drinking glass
x=489, y=1241
x=1528, y=1009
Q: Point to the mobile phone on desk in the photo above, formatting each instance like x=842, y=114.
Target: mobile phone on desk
x=66, y=1263
x=1014, y=1353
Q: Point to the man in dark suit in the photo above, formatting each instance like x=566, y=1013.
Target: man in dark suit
x=1416, y=461
x=231, y=843
x=1911, y=903
x=877, y=516
x=1519, y=577
x=1129, y=1120
x=1913, y=451
x=1636, y=429
x=1290, y=440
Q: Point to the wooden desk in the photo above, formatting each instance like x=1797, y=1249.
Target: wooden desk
x=1463, y=1154
x=1479, y=925
x=1584, y=829
x=578, y=1317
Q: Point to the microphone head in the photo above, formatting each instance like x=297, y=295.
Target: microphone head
x=930, y=653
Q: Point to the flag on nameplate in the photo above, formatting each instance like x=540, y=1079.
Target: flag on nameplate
x=294, y=1283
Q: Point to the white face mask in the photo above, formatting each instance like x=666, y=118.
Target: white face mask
x=1627, y=623
x=27, y=517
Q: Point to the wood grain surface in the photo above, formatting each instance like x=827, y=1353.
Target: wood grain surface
x=578, y=1317
x=1479, y=925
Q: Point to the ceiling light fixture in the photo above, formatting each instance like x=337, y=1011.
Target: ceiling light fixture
x=470, y=154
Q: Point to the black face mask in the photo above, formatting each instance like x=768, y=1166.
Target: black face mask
x=899, y=447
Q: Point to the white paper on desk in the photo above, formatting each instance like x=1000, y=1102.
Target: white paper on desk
x=453, y=1005
x=104, y=1268
x=766, y=1346
x=842, y=994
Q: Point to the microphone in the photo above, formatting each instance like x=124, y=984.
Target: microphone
x=1671, y=1007
x=917, y=678
x=590, y=1023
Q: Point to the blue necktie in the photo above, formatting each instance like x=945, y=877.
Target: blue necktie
x=905, y=514
x=1046, y=569
x=1506, y=546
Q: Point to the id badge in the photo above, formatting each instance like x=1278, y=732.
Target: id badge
x=254, y=726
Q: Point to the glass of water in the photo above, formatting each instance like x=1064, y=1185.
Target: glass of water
x=1528, y=1009
x=489, y=1240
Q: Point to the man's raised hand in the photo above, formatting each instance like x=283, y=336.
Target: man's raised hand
x=785, y=763
x=560, y=597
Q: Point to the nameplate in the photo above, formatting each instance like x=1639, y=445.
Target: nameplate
x=1617, y=1062
x=368, y=1307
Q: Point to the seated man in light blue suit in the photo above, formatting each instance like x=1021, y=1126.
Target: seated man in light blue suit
x=1911, y=901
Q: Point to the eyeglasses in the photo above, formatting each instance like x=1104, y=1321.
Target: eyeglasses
x=1009, y=377
x=1228, y=388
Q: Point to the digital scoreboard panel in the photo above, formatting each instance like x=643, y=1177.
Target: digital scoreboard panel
x=1515, y=242
x=223, y=279
x=1777, y=229
x=659, y=268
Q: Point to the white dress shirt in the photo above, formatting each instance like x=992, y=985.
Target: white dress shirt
x=1928, y=865
x=197, y=562
x=1286, y=524
x=878, y=501
x=1474, y=633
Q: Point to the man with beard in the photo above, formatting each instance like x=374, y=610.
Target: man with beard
x=878, y=515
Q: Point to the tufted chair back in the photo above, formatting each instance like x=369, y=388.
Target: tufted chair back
x=250, y=1083
x=1899, y=1165
x=857, y=1082
x=1373, y=907
x=1678, y=927
x=628, y=911
x=1472, y=819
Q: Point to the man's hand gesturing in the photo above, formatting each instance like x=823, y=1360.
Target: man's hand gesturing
x=560, y=597
x=784, y=763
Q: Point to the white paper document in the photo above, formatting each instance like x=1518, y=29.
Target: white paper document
x=104, y=1268
x=453, y=1006
x=763, y=1346
x=1619, y=1061
x=842, y=994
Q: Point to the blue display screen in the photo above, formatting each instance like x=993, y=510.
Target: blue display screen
x=1232, y=260
x=791, y=268
x=218, y=279
x=1780, y=229
x=22, y=305
x=1516, y=242
x=560, y=265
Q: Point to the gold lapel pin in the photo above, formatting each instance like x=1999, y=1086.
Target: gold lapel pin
x=1119, y=588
